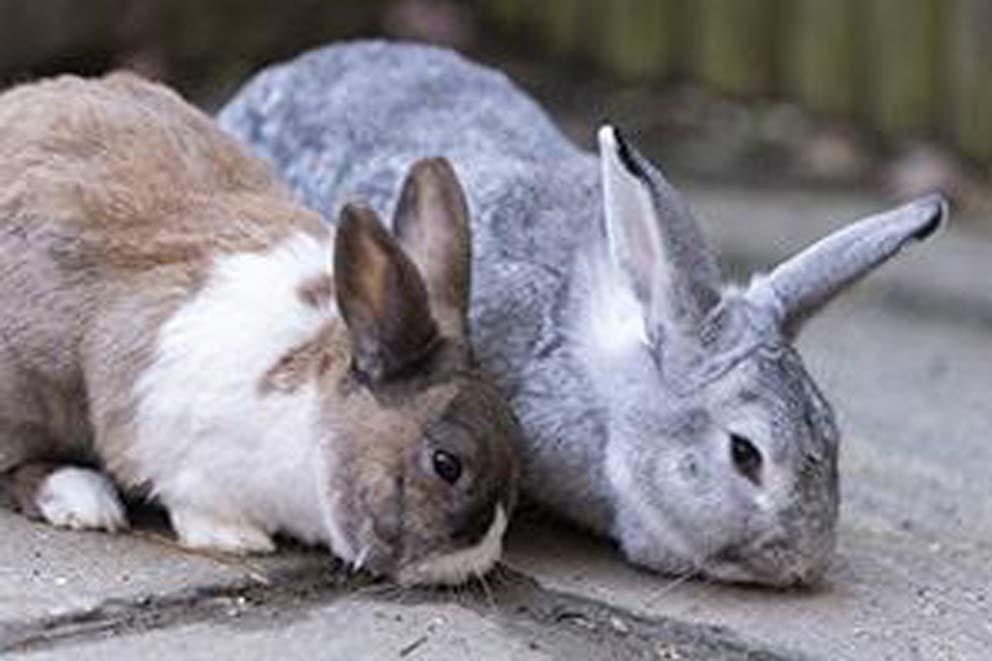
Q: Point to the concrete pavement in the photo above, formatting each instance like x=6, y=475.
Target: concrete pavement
x=907, y=360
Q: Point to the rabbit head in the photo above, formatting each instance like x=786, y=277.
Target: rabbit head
x=422, y=466
x=722, y=451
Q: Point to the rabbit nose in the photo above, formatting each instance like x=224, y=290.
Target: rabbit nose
x=773, y=560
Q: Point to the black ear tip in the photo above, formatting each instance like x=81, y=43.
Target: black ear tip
x=936, y=209
x=626, y=154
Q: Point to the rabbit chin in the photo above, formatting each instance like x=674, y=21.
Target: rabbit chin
x=759, y=571
x=777, y=572
x=458, y=566
x=775, y=563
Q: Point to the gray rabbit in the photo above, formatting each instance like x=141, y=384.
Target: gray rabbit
x=660, y=407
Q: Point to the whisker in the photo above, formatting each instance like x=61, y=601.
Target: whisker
x=381, y=590
x=360, y=559
x=676, y=581
x=486, y=591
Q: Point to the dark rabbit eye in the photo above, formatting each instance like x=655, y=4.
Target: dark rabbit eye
x=447, y=466
x=746, y=458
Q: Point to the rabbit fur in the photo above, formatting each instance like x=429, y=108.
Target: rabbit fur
x=178, y=326
x=659, y=406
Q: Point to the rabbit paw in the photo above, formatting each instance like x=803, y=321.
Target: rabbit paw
x=200, y=530
x=80, y=499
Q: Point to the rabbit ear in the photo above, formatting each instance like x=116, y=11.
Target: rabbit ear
x=381, y=297
x=654, y=239
x=432, y=224
x=799, y=287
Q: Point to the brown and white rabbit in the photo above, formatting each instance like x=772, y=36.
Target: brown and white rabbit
x=173, y=317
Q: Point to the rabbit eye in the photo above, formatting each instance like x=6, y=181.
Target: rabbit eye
x=447, y=466
x=746, y=458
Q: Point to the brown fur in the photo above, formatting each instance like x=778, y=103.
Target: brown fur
x=387, y=419
x=27, y=479
x=137, y=176
x=306, y=362
x=442, y=250
x=318, y=292
x=381, y=296
x=114, y=195
x=397, y=506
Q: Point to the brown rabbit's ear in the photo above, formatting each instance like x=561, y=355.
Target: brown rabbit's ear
x=381, y=297
x=432, y=224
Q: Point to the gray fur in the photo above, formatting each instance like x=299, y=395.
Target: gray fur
x=629, y=368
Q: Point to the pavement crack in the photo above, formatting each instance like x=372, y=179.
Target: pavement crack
x=562, y=624
x=286, y=593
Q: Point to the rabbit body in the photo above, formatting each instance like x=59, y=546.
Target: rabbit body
x=659, y=407
x=171, y=316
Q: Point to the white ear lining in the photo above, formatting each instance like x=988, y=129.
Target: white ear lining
x=632, y=231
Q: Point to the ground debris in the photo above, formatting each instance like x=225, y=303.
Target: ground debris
x=409, y=649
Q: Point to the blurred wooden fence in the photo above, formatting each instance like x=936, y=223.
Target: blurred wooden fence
x=904, y=67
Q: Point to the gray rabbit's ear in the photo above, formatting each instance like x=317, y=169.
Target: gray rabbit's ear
x=654, y=240
x=432, y=225
x=802, y=285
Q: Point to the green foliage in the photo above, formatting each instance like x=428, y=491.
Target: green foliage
x=818, y=57
x=900, y=60
x=968, y=110
x=636, y=41
x=735, y=52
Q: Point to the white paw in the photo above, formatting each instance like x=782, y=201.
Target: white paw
x=199, y=530
x=80, y=498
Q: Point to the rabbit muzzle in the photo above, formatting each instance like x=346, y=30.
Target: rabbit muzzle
x=781, y=561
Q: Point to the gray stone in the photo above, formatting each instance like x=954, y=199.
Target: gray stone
x=48, y=573
x=354, y=628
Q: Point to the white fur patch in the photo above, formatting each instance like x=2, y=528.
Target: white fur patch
x=455, y=568
x=212, y=448
x=614, y=318
x=197, y=530
x=613, y=321
x=80, y=498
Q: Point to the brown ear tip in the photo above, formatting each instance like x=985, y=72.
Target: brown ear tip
x=359, y=218
x=356, y=212
x=433, y=165
x=358, y=226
